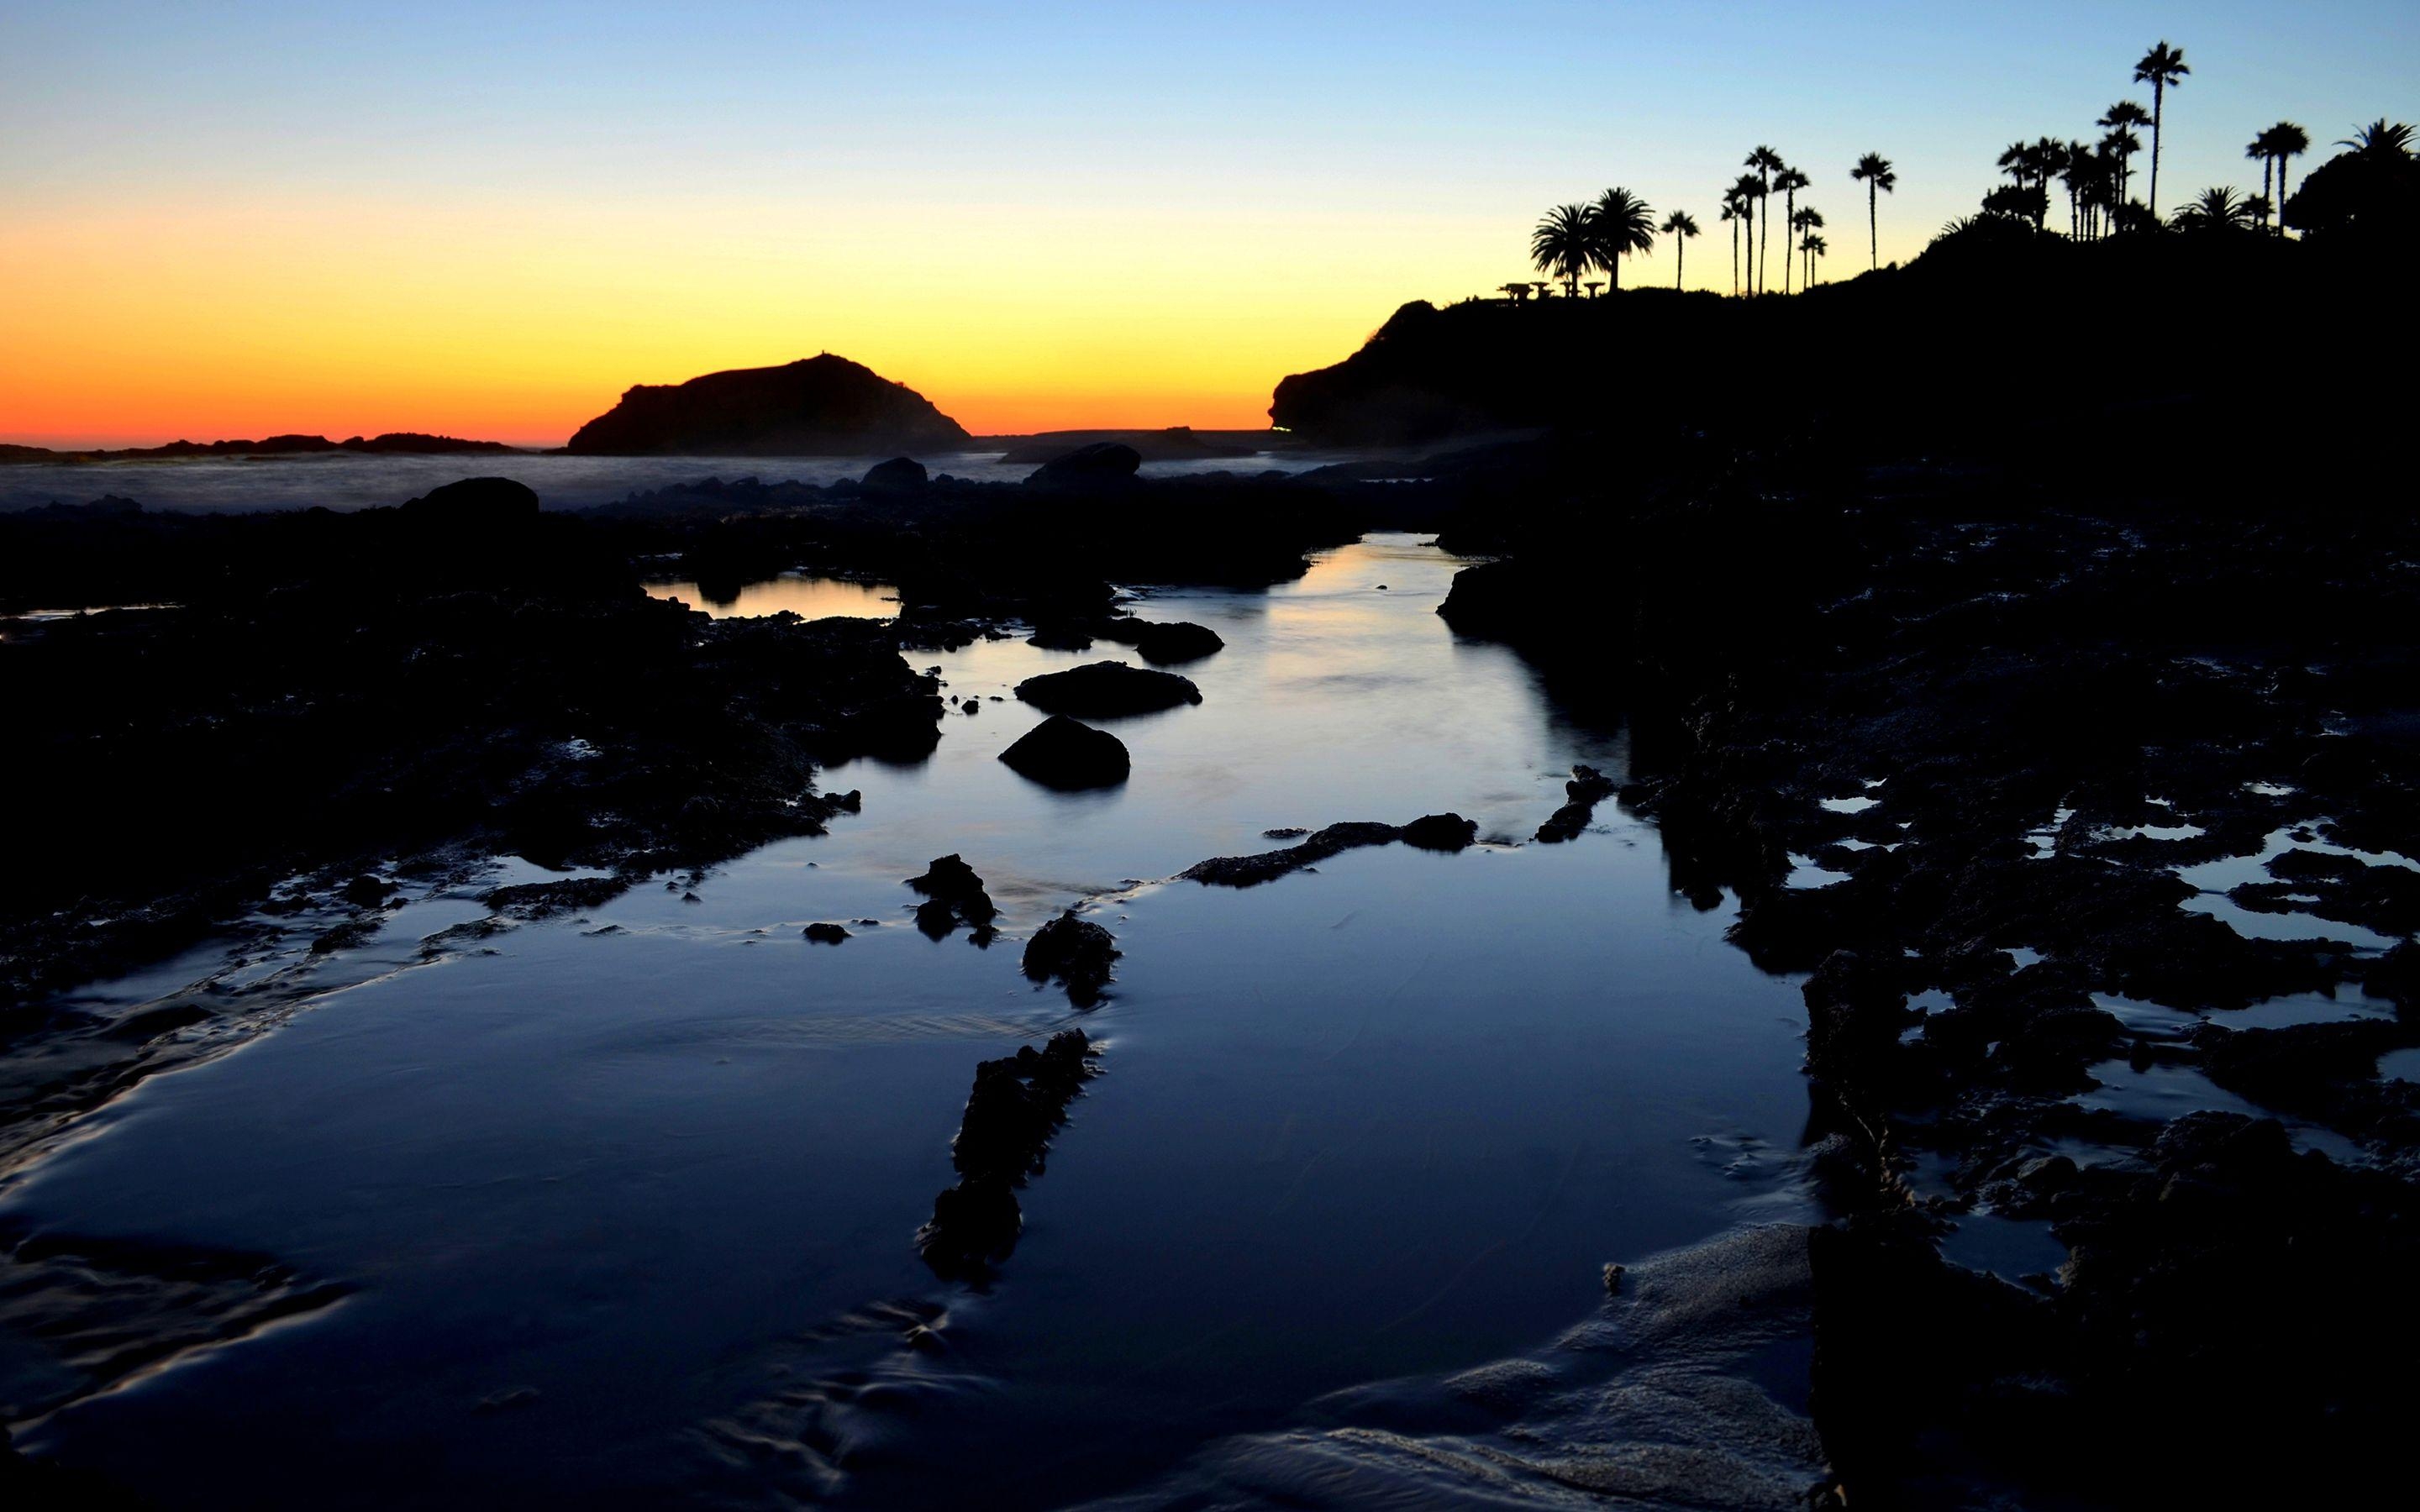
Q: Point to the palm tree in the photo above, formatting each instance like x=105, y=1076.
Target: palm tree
x=1875, y=171
x=2016, y=160
x=2119, y=122
x=1814, y=247
x=1619, y=224
x=1732, y=211
x=2078, y=166
x=2160, y=67
x=1743, y=195
x=1680, y=227
x=2217, y=209
x=2379, y=140
x=2286, y=142
x=1767, y=162
x=1790, y=181
x=2259, y=150
x=1563, y=246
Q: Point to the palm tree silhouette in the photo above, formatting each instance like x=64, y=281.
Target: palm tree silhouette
x=1767, y=162
x=2160, y=67
x=1875, y=171
x=1563, y=246
x=1679, y=225
x=1742, y=200
x=2259, y=150
x=1619, y=224
x=2286, y=142
x=1731, y=212
x=1805, y=222
x=2217, y=209
x=1790, y=181
x=1814, y=247
x=2119, y=122
x=2379, y=140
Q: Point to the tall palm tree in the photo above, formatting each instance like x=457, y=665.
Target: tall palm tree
x=2078, y=166
x=2016, y=160
x=2260, y=150
x=1790, y=181
x=2286, y=142
x=1805, y=222
x=1874, y=170
x=1767, y=162
x=1743, y=192
x=1565, y=245
x=2119, y=122
x=1814, y=247
x=2160, y=67
x=1732, y=212
x=1619, y=224
x=1679, y=225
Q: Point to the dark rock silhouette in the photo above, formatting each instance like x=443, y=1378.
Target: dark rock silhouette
x=818, y=406
x=1105, y=690
x=1017, y=1103
x=824, y=933
x=1077, y=951
x=1441, y=832
x=953, y=895
x=1173, y=641
x=1252, y=870
x=400, y=442
x=1060, y=752
x=1176, y=443
x=1588, y=788
x=901, y=474
x=1102, y=465
x=475, y=501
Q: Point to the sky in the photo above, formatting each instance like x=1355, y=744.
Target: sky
x=489, y=219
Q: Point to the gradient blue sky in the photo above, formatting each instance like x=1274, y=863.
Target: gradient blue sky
x=493, y=216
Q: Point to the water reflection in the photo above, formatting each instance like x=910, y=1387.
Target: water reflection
x=795, y=592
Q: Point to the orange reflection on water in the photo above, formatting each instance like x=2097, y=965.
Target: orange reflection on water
x=810, y=598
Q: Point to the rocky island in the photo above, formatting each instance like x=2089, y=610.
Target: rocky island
x=824, y=406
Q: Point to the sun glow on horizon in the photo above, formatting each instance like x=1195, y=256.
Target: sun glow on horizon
x=489, y=221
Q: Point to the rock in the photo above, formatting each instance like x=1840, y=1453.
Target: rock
x=1285, y=832
x=954, y=894
x=1060, y=752
x=365, y=891
x=544, y=900
x=1588, y=788
x=1077, y=951
x=1060, y=635
x=1105, y=690
x=1017, y=1103
x=1252, y=870
x=823, y=406
x=1177, y=641
x=1098, y=466
x=901, y=474
x=475, y=501
x=1440, y=832
x=1613, y=1275
x=824, y=933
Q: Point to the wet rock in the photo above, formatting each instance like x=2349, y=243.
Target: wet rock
x=351, y=934
x=1105, y=690
x=1018, y=1103
x=475, y=501
x=1252, y=870
x=820, y=934
x=367, y=891
x=1857, y=1008
x=901, y=474
x=1077, y=951
x=1285, y=832
x=1102, y=465
x=1175, y=641
x=953, y=895
x=1586, y=787
x=1060, y=752
x=1440, y=832
x=1060, y=635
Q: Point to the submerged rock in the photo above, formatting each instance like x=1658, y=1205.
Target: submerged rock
x=1252, y=870
x=1060, y=752
x=1077, y=951
x=824, y=933
x=1105, y=690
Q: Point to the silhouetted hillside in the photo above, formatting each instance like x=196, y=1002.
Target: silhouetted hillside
x=819, y=406
x=1994, y=337
x=410, y=442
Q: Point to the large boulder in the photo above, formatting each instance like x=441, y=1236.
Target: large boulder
x=1077, y=951
x=1105, y=689
x=901, y=474
x=1060, y=752
x=475, y=501
x=1174, y=640
x=823, y=406
x=1101, y=465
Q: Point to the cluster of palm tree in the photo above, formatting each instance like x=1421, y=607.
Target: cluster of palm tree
x=2096, y=176
x=1576, y=240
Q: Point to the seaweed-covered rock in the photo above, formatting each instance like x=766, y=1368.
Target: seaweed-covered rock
x=1017, y=1103
x=1588, y=788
